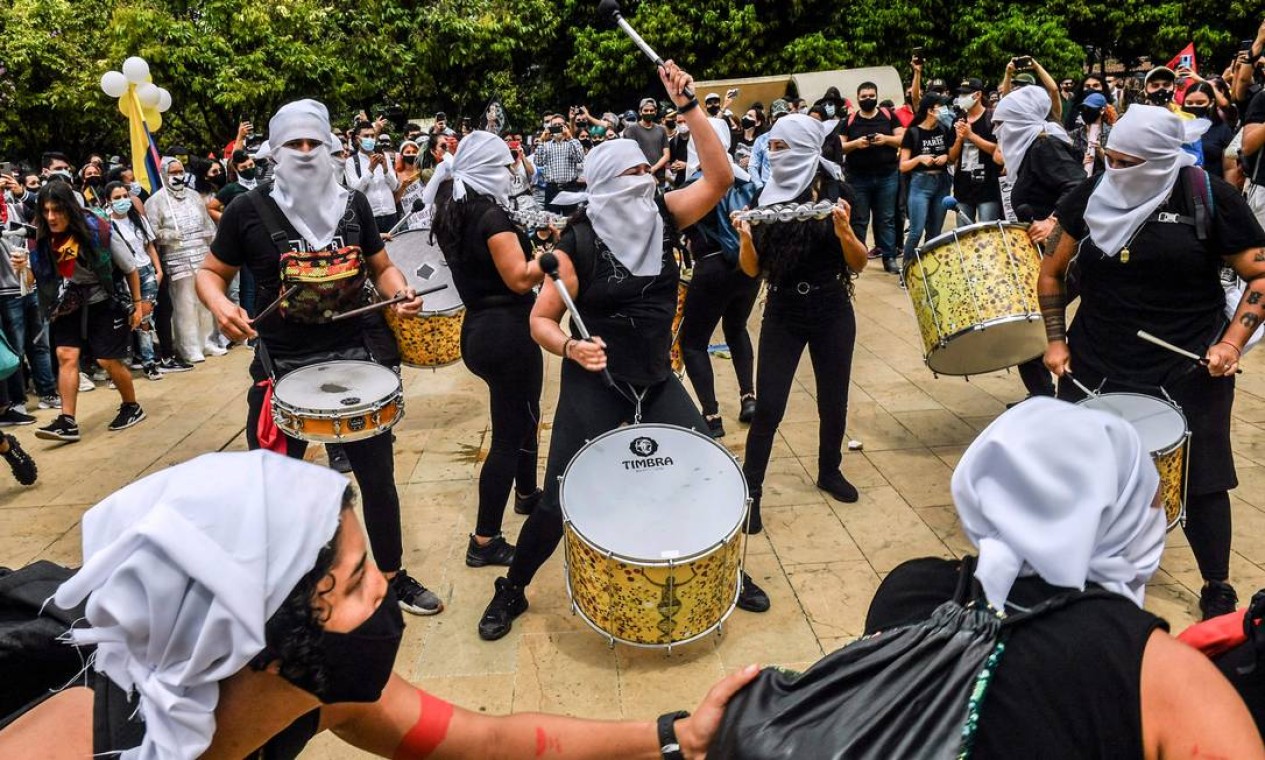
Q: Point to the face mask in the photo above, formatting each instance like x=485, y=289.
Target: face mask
x=339, y=164
x=782, y=169
x=92, y=181
x=829, y=108
x=748, y=122
x=135, y=188
x=410, y=160
x=302, y=169
x=121, y=206
x=869, y=104
x=965, y=102
x=647, y=117
x=247, y=173
x=177, y=182
x=555, y=129
x=367, y=144
x=60, y=174
x=944, y=115
x=1199, y=112
x=358, y=663
x=1161, y=97
x=670, y=124
x=713, y=110
x=1090, y=115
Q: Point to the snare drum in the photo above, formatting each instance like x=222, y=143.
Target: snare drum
x=974, y=292
x=336, y=402
x=433, y=338
x=1165, y=434
x=652, y=517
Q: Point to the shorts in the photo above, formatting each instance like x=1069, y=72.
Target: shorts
x=106, y=334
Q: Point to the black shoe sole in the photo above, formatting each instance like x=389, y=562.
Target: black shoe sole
x=475, y=560
x=501, y=633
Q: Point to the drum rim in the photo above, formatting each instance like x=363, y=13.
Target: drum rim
x=1183, y=439
x=1029, y=317
x=938, y=240
x=396, y=395
x=396, y=398
x=643, y=561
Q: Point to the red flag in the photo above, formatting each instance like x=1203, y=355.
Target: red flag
x=1185, y=59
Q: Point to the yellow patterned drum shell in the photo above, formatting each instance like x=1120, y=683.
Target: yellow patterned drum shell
x=428, y=341
x=678, y=360
x=974, y=294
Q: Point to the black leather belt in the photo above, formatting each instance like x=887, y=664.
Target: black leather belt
x=803, y=287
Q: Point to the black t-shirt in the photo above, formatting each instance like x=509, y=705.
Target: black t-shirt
x=243, y=241
x=1069, y=683
x=229, y=193
x=1049, y=171
x=1169, y=285
x=1215, y=141
x=802, y=251
x=975, y=180
x=930, y=142
x=1255, y=114
x=873, y=159
x=473, y=269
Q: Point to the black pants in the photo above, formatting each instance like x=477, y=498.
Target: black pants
x=1036, y=378
x=825, y=323
x=162, y=321
x=497, y=347
x=586, y=409
x=373, y=462
x=718, y=294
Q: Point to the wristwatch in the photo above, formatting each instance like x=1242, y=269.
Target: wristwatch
x=669, y=747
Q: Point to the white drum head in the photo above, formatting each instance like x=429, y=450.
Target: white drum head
x=1159, y=423
x=654, y=493
x=337, y=386
x=424, y=266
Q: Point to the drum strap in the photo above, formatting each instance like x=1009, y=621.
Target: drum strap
x=635, y=399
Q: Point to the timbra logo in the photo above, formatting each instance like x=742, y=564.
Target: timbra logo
x=645, y=448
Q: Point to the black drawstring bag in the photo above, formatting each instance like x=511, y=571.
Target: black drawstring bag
x=913, y=691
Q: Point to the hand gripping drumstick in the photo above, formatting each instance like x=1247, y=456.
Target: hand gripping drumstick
x=549, y=264
x=610, y=9
x=1196, y=358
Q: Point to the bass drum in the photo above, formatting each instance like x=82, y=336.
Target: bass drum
x=433, y=338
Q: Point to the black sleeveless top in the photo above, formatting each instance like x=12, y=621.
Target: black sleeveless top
x=1069, y=683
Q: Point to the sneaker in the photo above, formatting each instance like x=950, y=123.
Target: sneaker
x=875, y=253
x=211, y=349
x=62, y=429
x=85, y=384
x=195, y=358
x=838, y=486
x=498, y=551
x=151, y=371
x=129, y=414
x=748, y=409
x=51, y=401
x=525, y=505
x=112, y=386
x=751, y=597
x=890, y=266
x=754, y=523
x=174, y=364
x=135, y=363
x=716, y=426
x=413, y=596
x=338, y=461
x=11, y=417
x=507, y=603
x=99, y=375
x=1216, y=599
x=24, y=469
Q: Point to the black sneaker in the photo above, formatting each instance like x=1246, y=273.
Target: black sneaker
x=62, y=429
x=716, y=426
x=751, y=597
x=754, y=523
x=838, y=487
x=130, y=413
x=890, y=266
x=525, y=505
x=24, y=469
x=414, y=597
x=748, y=409
x=11, y=417
x=151, y=371
x=338, y=461
x=174, y=364
x=1216, y=599
x=498, y=551
x=507, y=603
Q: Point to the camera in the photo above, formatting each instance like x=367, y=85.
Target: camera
x=1023, y=62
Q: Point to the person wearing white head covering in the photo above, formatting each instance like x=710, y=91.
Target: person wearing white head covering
x=314, y=219
x=809, y=266
x=1059, y=502
x=616, y=261
x=1150, y=238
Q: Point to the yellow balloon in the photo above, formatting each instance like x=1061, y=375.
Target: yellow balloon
x=153, y=119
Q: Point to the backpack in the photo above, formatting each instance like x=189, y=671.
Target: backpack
x=1236, y=645
x=33, y=660
x=95, y=256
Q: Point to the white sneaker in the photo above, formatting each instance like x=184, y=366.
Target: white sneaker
x=211, y=349
x=50, y=402
x=195, y=359
x=86, y=384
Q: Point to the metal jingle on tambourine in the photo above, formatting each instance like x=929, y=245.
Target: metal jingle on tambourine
x=786, y=214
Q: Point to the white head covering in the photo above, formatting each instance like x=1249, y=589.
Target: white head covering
x=721, y=127
x=623, y=209
x=1021, y=118
x=1125, y=198
x=305, y=186
x=165, y=168
x=793, y=169
x=1064, y=492
x=182, y=569
x=481, y=164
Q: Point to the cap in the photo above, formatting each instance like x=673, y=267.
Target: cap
x=1024, y=79
x=648, y=102
x=1095, y=100
x=970, y=84
x=1161, y=73
x=937, y=84
x=441, y=116
x=779, y=107
x=711, y=96
x=670, y=113
x=630, y=115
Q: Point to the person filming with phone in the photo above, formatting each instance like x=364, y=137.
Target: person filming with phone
x=369, y=171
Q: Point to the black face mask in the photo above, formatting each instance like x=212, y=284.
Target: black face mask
x=1090, y=115
x=215, y=180
x=410, y=160
x=748, y=122
x=247, y=173
x=1199, y=112
x=670, y=124
x=869, y=104
x=713, y=110
x=647, y=117
x=1161, y=97
x=92, y=182
x=358, y=663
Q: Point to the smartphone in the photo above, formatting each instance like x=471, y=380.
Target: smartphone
x=1185, y=61
x=1246, y=45
x=918, y=54
x=733, y=93
x=1023, y=62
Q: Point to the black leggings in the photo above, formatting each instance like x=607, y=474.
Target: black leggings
x=373, y=462
x=162, y=321
x=586, y=409
x=497, y=347
x=720, y=294
x=1208, y=528
x=825, y=323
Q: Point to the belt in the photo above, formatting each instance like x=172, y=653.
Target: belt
x=803, y=287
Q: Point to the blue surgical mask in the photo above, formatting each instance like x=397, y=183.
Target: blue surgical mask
x=121, y=206
x=367, y=144
x=945, y=115
x=829, y=108
x=135, y=188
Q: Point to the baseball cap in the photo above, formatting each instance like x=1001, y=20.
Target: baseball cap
x=1095, y=100
x=1024, y=79
x=711, y=96
x=937, y=84
x=970, y=84
x=1162, y=73
x=779, y=107
x=648, y=102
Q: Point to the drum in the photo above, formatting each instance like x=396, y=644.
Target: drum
x=1163, y=430
x=652, y=518
x=335, y=402
x=974, y=292
x=433, y=338
x=682, y=289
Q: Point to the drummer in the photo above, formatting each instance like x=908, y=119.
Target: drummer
x=494, y=273
x=1150, y=237
x=315, y=213
x=616, y=260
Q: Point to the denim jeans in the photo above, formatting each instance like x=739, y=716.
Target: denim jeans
x=145, y=334
x=926, y=207
x=876, y=195
x=24, y=328
x=971, y=213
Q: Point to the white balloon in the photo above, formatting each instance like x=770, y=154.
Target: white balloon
x=164, y=100
x=136, y=70
x=147, y=94
x=114, y=84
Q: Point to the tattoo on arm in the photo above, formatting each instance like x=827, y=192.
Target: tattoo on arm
x=1054, y=311
x=1250, y=320
x=1253, y=298
x=1056, y=237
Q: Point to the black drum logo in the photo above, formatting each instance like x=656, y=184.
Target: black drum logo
x=645, y=448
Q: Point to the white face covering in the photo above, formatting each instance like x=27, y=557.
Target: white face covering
x=792, y=169
x=305, y=187
x=1125, y=198
x=1063, y=492
x=1021, y=118
x=480, y=165
x=966, y=102
x=176, y=190
x=622, y=209
x=721, y=128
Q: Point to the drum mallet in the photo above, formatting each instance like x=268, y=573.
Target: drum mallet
x=610, y=9
x=1148, y=337
x=383, y=304
x=417, y=206
x=549, y=264
x=270, y=308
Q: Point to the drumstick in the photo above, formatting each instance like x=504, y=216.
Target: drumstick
x=270, y=308
x=610, y=9
x=383, y=304
x=1080, y=385
x=549, y=264
x=1144, y=335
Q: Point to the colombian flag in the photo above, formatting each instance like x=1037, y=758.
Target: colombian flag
x=145, y=160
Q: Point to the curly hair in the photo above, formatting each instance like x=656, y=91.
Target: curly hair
x=782, y=246
x=292, y=635
x=450, y=217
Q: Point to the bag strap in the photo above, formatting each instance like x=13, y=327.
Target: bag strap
x=270, y=215
x=965, y=590
x=1058, y=602
x=1200, y=191
x=584, y=258
x=123, y=237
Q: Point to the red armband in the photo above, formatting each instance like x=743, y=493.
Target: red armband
x=430, y=730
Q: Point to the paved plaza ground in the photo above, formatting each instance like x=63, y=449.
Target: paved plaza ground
x=819, y=560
